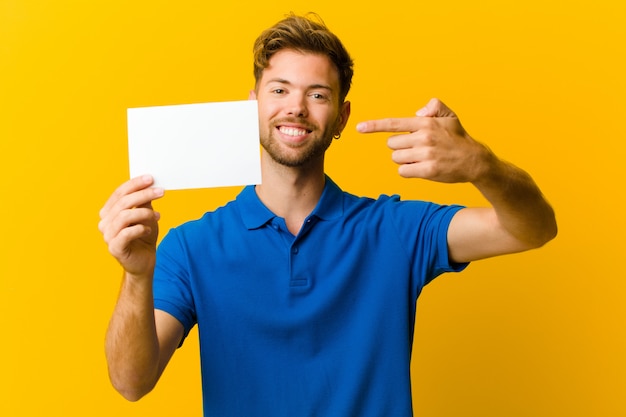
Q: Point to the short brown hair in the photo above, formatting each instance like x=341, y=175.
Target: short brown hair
x=304, y=34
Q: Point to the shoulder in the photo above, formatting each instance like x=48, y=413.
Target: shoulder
x=394, y=205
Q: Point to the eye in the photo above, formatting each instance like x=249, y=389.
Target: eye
x=318, y=96
x=278, y=91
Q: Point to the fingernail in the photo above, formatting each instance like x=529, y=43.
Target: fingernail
x=421, y=112
x=361, y=127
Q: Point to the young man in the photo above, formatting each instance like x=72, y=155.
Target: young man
x=304, y=294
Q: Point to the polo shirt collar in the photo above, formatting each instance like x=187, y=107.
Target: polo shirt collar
x=330, y=205
x=255, y=214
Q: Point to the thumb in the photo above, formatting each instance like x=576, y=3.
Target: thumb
x=435, y=108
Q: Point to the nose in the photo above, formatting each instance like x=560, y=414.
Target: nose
x=296, y=105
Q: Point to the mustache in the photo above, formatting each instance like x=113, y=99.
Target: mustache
x=294, y=120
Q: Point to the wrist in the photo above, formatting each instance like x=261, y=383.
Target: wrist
x=138, y=281
x=488, y=168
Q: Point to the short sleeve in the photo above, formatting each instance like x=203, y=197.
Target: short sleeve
x=423, y=229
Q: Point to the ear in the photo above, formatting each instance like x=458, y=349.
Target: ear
x=252, y=95
x=344, y=115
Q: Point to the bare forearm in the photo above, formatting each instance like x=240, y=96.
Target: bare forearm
x=438, y=148
x=520, y=207
x=132, y=347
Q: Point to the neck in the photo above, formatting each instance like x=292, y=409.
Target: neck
x=291, y=192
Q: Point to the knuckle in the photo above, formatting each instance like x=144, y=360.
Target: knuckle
x=430, y=123
x=428, y=138
x=127, y=234
x=429, y=153
x=387, y=124
x=389, y=121
x=114, y=249
x=101, y=226
x=431, y=170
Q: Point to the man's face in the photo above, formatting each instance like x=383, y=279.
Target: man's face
x=299, y=110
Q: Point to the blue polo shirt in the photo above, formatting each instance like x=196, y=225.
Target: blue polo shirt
x=318, y=324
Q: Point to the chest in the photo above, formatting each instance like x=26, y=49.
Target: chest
x=269, y=278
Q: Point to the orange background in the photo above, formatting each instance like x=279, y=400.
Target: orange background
x=541, y=82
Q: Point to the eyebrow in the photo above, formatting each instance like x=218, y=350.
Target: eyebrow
x=287, y=82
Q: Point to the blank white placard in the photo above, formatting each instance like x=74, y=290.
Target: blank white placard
x=196, y=145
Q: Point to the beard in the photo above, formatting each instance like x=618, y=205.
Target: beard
x=296, y=155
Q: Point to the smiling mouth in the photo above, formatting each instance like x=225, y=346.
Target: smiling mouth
x=293, y=131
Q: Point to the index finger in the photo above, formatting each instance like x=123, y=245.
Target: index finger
x=401, y=124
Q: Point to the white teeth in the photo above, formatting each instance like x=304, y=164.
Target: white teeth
x=292, y=131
